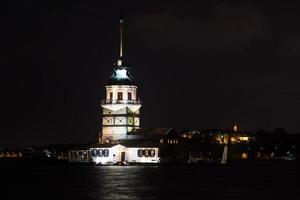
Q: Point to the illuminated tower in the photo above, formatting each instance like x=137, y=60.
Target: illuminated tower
x=121, y=105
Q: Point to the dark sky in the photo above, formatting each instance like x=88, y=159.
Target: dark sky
x=198, y=64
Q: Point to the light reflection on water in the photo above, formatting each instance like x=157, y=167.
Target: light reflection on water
x=121, y=182
x=148, y=182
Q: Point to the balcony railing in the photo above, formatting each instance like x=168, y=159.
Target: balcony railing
x=118, y=101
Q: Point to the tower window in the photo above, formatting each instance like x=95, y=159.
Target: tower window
x=129, y=96
x=110, y=96
x=120, y=96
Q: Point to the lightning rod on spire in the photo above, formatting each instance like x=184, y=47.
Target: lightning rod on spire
x=121, y=40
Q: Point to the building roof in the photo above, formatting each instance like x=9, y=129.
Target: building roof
x=151, y=131
x=129, y=143
x=105, y=145
x=139, y=143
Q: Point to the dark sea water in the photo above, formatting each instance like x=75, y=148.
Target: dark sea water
x=149, y=182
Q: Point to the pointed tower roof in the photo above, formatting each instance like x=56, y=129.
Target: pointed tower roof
x=121, y=74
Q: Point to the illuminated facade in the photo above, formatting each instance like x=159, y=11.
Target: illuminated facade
x=121, y=106
x=112, y=154
x=121, y=140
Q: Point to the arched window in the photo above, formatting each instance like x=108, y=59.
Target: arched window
x=152, y=152
x=129, y=96
x=146, y=152
x=94, y=152
x=110, y=96
x=106, y=152
x=120, y=96
x=99, y=153
x=140, y=153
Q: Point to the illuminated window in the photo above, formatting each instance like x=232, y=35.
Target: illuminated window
x=233, y=139
x=244, y=156
x=120, y=96
x=110, y=96
x=119, y=62
x=129, y=96
x=244, y=138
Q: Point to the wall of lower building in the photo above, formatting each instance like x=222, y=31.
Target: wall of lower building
x=134, y=157
x=131, y=155
x=109, y=159
x=114, y=155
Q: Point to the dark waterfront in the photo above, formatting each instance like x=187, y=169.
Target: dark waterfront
x=150, y=182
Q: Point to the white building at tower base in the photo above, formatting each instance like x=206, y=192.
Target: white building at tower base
x=144, y=146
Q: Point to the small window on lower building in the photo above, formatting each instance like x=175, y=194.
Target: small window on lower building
x=140, y=153
x=99, y=153
x=94, y=152
x=152, y=152
x=146, y=152
x=106, y=152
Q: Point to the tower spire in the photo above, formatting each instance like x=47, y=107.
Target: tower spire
x=120, y=60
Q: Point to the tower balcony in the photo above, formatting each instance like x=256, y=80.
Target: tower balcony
x=118, y=101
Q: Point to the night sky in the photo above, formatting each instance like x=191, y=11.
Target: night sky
x=198, y=64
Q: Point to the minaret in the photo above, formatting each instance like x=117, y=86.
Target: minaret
x=227, y=144
x=121, y=107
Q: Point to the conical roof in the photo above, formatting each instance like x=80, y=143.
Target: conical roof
x=121, y=74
